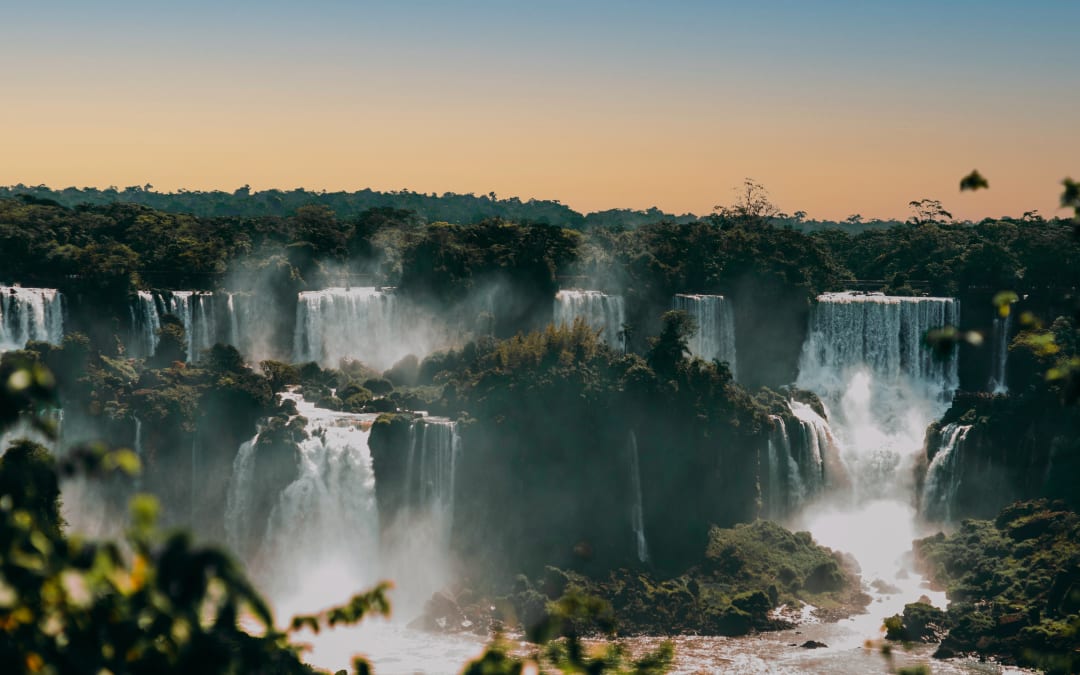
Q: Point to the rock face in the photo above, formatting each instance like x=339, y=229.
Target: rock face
x=988, y=451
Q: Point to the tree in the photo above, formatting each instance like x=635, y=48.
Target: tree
x=928, y=212
x=671, y=346
x=752, y=203
x=172, y=342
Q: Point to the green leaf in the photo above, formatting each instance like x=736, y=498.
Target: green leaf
x=124, y=460
x=144, y=512
x=973, y=181
x=1003, y=300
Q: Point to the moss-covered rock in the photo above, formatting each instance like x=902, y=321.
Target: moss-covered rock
x=1014, y=586
x=745, y=573
x=920, y=622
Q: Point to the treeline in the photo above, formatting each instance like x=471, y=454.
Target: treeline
x=135, y=246
x=448, y=207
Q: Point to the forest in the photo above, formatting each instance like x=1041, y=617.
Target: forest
x=578, y=479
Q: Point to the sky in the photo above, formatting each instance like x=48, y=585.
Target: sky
x=837, y=107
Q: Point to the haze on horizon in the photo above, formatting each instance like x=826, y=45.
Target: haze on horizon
x=838, y=108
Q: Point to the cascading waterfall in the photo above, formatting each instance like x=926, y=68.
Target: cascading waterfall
x=195, y=309
x=881, y=387
x=813, y=450
x=637, y=509
x=1000, y=354
x=241, y=523
x=368, y=324
x=864, y=355
x=715, y=336
x=943, y=474
x=430, y=472
x=321, y=539
x=779, y=458
x=145, y=324
x=30, y=314
x=416, y=547
x=247, y=316
x=600, y=312
x=800, y=461
x=234, y=320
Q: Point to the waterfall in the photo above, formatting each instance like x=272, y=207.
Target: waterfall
x=864, y=355
x=1000, y=354
x=30, y=314
x=195, y=309
x=600, y=312
x=240, y=521
x=234, y=320
x=321, y=540
x=881, y=386
x=715, y=336
x=800, y=462
x=250, y=321
x=434, y=449
x=637, y=510
x=813, y=451
x=943, y=474
x=145, y=324
x=779, y=456
x=368, y=324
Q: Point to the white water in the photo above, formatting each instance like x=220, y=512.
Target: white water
x=28, y=314
x=815, y=453
x=241, y=523
x=145, y=324
x=802, y=462
x=783, y=476
x=1000, y=354
x=416, y=546
x=865, y=358
x=715, y=335
x=943, y=474
x=249, y=315
x=195, y=309
x=366, y=324
x=321, y=539
x=637, y=509
x=601, y=312
x=432, y=468
x=321, y=542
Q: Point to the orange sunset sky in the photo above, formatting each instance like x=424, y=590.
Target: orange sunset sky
x=837, y=107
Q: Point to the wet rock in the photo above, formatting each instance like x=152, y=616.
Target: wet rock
x=884, y=587
x=442, y=614
x=813, y=644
